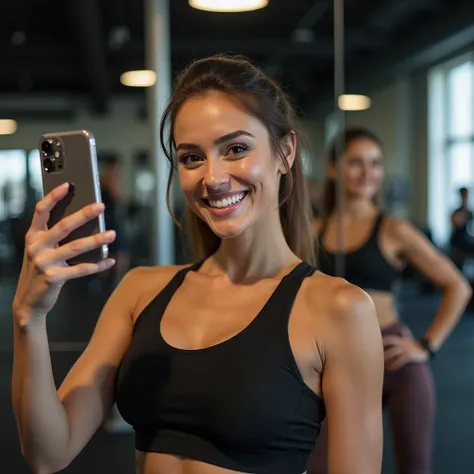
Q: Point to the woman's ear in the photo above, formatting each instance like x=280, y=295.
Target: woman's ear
x=288, y=147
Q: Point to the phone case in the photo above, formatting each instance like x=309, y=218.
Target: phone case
x=74, y=160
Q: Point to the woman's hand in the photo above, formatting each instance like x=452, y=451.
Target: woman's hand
x=44, y=270
x=402, y=349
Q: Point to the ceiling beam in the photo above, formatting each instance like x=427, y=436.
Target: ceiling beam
x=319, y=47
x=275, y=62
x=85, y=20
x=62, y=57
x=40, y=70
x=452, y=33
x=364, y=39
x=37, y=115
x=43, y=50
x=387, y=17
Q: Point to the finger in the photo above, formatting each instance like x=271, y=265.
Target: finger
x=43, y=208
x=394, y=351
x=80, y=246
x=398, y=363
x=406, y=332
x=392, y=340
x=66, y=225
x=63, y=274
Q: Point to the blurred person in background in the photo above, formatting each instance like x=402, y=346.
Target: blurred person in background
x=113, y=197
x=315, y=189
x=461, y=219
x=376, y=248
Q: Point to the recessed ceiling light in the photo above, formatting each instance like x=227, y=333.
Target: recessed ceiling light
x=353, y=102
x=8, y=127
x=138, y=78
x=228, y=6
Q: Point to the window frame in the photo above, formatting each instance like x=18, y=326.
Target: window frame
x=440, y=145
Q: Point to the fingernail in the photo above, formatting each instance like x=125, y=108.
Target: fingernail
x=110, y=233
x=98, y=207
x=65, y=185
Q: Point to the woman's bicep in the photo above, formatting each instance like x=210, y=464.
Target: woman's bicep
x=419, y=252
x=352, y=386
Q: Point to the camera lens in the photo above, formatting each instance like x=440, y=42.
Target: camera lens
x=47, y=148
x=48, y=165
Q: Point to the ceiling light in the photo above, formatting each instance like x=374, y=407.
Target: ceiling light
x=354, y=102
x=8, y=127
x=138, y=78
x=228, y=6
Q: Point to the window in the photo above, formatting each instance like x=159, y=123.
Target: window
x=451, y=141
x=34, y=167
x=12, y=183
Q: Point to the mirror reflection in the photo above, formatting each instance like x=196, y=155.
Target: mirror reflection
x=399, y=152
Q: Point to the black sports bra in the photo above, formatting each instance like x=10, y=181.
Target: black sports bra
x=365, y=267
x=241, y=404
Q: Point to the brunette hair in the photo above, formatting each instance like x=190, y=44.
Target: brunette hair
x=336, y=148
x=261, y=97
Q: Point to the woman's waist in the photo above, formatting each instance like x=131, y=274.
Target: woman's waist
x=161, y=463
x=385, y=306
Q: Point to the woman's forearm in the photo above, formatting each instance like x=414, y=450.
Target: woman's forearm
x=41, y=418
x=455, y=298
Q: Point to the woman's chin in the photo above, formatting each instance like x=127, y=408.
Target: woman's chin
x=364, y=194
x=226, y=230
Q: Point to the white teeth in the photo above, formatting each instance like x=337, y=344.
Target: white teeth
x=226, y=202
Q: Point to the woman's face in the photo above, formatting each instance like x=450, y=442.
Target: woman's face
x=362, y=169
x=227, y=167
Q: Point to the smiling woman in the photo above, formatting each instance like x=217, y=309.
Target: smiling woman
x=248, y=108
x=228, y=365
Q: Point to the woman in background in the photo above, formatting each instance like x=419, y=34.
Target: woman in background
x=376, y=247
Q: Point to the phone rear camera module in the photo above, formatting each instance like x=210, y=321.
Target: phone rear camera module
x=47, y=147
x=49, y=165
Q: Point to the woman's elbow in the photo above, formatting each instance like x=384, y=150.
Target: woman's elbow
x=457, y=289
x=39, y=465
x=463, y=289
x=467, y=293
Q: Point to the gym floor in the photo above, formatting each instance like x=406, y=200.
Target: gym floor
x=72, y=322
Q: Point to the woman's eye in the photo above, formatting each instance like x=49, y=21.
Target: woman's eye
x=189, y=159
x=355, y=162
x=238, y=149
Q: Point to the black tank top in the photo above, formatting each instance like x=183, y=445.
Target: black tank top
x=365, y=267
x=241, y=404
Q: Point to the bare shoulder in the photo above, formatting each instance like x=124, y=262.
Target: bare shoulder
x=400, y=229
x=340, y=307
x=146, y=282
x=339, y=298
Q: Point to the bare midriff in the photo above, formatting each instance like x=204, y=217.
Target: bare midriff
x=384, y=302
x=155, y=463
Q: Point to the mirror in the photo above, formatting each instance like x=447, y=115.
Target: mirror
x=403, y=92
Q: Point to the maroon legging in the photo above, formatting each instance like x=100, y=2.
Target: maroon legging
x=409, y=396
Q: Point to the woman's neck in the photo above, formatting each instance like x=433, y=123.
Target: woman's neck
x=356, y=209
x=259, y=252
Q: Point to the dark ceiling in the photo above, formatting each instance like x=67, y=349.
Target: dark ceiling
x=82, y=46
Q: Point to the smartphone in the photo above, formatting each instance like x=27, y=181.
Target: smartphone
x=72, y=157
